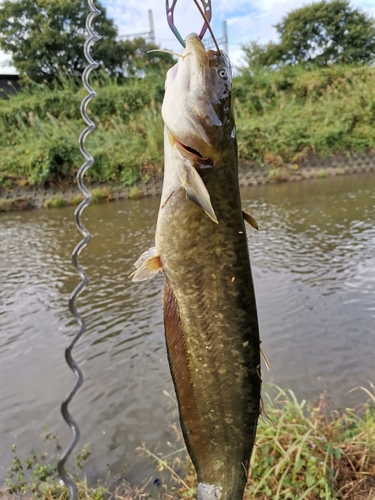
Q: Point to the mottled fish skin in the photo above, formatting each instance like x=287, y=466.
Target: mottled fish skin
x=210, y=314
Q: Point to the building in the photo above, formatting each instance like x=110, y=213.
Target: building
x=9, y=84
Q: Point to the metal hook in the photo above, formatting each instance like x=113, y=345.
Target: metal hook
x=170, y=10
x=208, y=12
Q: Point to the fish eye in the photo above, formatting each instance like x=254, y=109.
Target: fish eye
x=223, y=73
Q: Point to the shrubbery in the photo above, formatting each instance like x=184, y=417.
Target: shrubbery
x=281, y=116
x=39, y=130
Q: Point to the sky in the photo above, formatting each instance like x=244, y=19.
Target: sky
x=246, y=20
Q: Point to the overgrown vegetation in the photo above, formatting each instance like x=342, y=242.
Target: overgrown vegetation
x=281, y=117
x=39, y=130
x=99, y=195
x=308, y=451
x=15, y=204
x=284, y=115
x=304, y=452
x=37, y=475
x=294, y=97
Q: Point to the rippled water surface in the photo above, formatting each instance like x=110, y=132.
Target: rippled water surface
x=313, y=262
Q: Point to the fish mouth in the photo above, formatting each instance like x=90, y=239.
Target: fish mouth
x=184, y=148
x=189, y=149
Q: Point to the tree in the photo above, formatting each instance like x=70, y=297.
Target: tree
x=139, y=61
x=46, y=37
x=320, y=33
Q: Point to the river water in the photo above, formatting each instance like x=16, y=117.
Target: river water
x=313, y=262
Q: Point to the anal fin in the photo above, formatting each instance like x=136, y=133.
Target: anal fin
x=178, y=356
x=250, y=220
x=148, y=265
x=196, y=191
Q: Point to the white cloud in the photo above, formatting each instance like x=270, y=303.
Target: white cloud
x=6, y=67
x=246, y=19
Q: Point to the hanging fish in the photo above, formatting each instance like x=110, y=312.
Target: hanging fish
x=210, y=315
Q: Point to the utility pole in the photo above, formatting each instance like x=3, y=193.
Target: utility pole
x=152, y=27
x=225, y=37
x=223, y=40
x=148, y=35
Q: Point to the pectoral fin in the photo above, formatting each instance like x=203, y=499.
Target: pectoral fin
x=148, y=265
x=196, y=191
x=250, y=220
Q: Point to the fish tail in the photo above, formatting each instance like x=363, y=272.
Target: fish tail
x=208, y=491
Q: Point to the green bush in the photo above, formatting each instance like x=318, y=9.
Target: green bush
x=290, y=112
x=281, y=116
x=40, y=126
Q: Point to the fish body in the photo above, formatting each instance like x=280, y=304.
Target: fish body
x=210, y=314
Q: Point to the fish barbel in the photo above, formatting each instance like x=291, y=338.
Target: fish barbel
x=210, y=315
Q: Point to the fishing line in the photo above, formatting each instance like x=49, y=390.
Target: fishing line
x=93, y=37
x=207, y=20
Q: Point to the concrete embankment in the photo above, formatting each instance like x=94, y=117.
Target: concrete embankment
x=21, y=198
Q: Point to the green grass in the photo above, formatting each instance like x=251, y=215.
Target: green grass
x=303, y=451
x=99, y=195
x=281, y=118
x=136, y=193
x=321, y=174
x=40, y=126
x=306, y=451
x=54, y=202
x=15, y=204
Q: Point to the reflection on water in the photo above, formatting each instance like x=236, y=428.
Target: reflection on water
x=313, y=263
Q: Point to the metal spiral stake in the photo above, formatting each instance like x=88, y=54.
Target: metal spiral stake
x=93, y=37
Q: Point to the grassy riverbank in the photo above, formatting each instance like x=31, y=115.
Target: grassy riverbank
x=281, y=117
x=304, y=452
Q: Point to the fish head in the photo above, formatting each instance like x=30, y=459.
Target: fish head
x=197, y=109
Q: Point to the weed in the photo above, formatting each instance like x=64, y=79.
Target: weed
x=321, y=174
x=39, y=129
x=76, y=200
x=308, y=452
x=101, y=195
x=278, y=174
x=281, y=116
x=303, y=452
x=136, y=193
x=274, y=173
x=37, y=477
x=54, y=202
x=15, y=204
